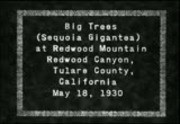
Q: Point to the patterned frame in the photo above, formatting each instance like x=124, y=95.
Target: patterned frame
x=162, y=102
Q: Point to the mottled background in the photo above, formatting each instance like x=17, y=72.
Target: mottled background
x=8, y=61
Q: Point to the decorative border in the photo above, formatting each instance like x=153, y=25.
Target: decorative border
x=162, y=105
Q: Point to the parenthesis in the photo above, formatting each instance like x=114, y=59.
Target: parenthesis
x=138, y=37
x=38, y=39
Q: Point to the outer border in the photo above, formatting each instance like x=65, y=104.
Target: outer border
x=162, y=102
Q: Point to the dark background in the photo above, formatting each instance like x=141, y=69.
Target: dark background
x=8, y=55
x=141, y=91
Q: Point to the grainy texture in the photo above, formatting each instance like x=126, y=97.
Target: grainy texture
x=8, y=85
x=161, y=14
